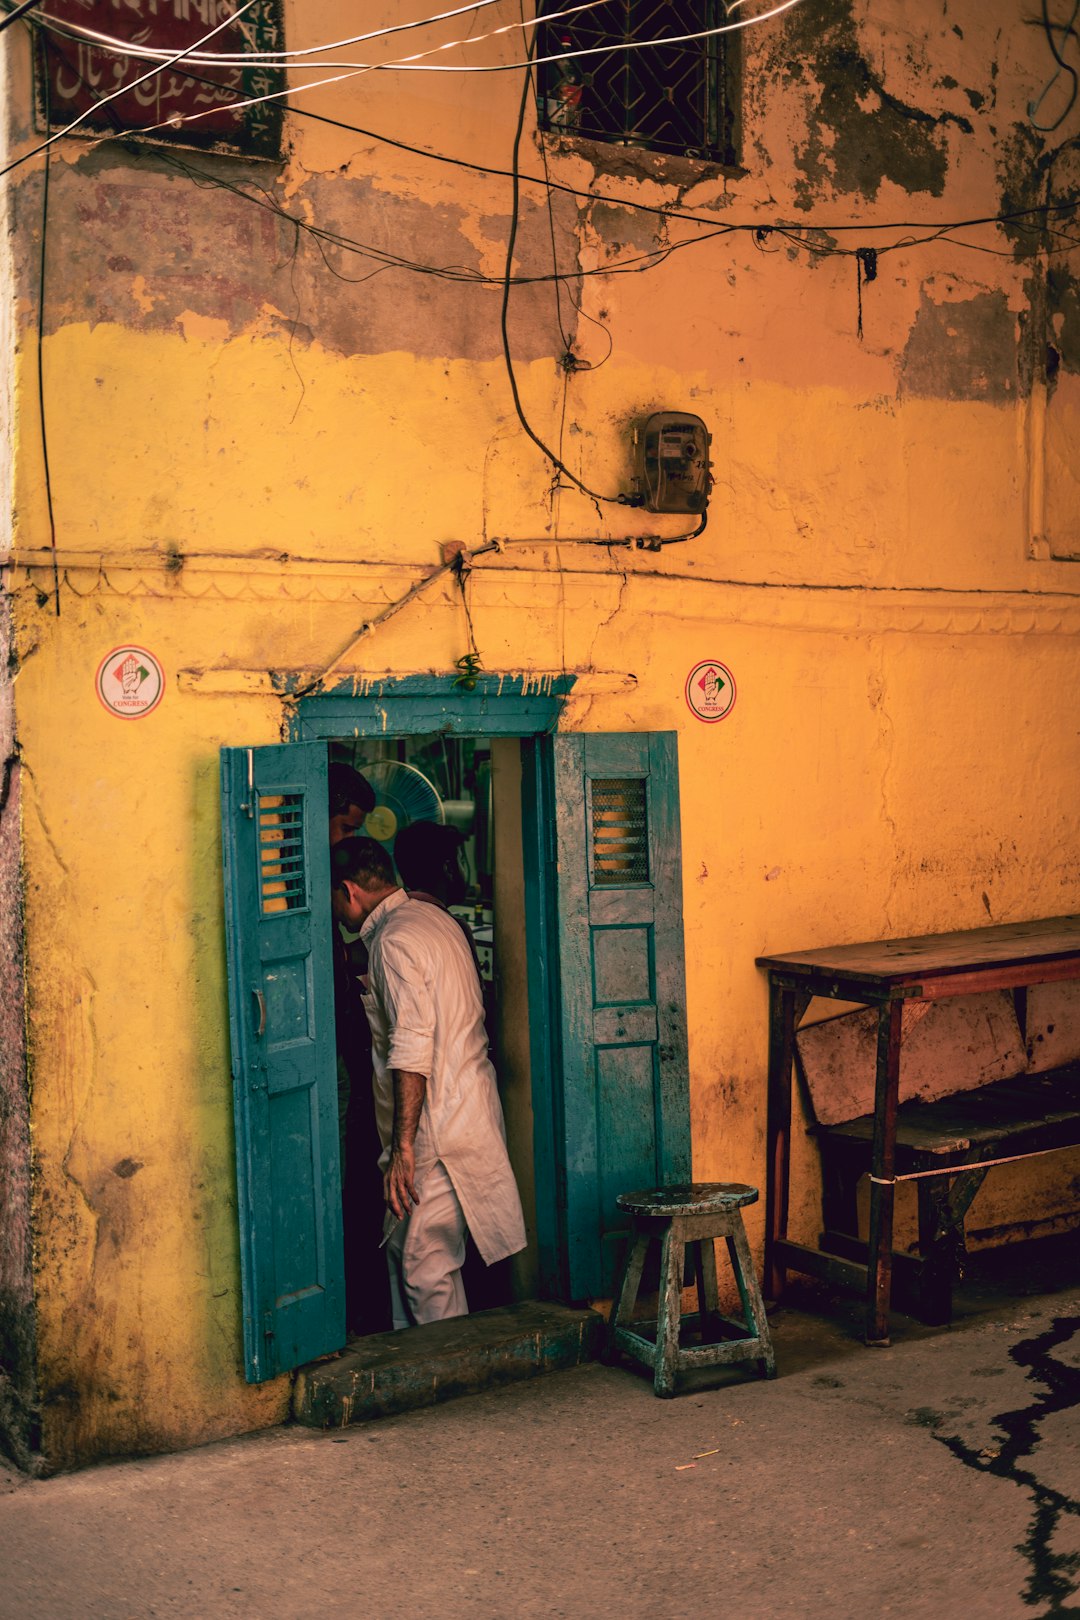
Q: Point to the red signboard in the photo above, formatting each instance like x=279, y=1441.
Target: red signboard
x=190, y=102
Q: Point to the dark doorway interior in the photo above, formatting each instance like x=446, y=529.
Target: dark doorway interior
x=474, y=785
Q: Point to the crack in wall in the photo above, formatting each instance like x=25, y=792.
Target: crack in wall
x=1052, y=1574
x=616, y=610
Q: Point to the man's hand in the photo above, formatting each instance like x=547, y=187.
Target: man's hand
x=399, y=1177
x=399, y=1181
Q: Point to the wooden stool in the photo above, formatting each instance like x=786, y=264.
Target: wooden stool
x=692, y=1214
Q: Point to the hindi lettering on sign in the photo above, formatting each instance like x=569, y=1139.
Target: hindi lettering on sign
x=191, y=103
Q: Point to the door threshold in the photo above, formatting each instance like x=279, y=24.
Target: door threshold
x=387, y=1373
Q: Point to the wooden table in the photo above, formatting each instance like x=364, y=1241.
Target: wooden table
x=884, y=974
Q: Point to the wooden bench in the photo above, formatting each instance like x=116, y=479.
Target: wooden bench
x=1011, y=1118
x=944, y=1148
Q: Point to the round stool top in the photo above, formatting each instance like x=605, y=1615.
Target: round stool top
x=688, y=1198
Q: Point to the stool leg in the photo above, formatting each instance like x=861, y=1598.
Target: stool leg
x=750, y=1294
x=637, y=1245
x=708, y=1295
x=669, y=1312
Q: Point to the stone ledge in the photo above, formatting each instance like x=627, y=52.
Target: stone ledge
x=399, y=1372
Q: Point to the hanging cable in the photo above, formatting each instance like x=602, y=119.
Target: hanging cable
x=125, y=89
x=570, y=361
x=1068, y=31
x=212, y=58
x=41, y=333
x=413, y=65
x=515, y=200
x=10, y=17
x=1017, y=218
x=470, y=665
x=292, y=59
x=415, y=62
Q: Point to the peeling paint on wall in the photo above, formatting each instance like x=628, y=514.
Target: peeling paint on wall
x=154, y=251
x=861, y=133
x=20, y=1432
x=964, y=348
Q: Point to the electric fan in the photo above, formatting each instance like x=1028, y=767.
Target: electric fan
x=402, y=795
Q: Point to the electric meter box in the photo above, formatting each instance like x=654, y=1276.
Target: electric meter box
x=672, y=452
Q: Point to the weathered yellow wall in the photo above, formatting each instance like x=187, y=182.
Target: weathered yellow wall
x=251, y=458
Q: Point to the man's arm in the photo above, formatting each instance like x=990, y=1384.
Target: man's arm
x=399, y=1177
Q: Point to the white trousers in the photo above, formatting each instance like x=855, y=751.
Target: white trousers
x=425, y=1253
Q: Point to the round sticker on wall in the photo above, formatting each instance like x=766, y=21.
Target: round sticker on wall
x=130, y=682
x=710, y=690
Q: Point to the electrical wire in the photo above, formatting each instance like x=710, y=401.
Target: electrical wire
x=415, y=64
x=41, y=339
x=223, y=58
x=10, y=17
x=1013, y=218
x=125, y=88
x=1068, y=30
x=175, y=121
x=633, y=265
x=508, y=358
x=571, y=362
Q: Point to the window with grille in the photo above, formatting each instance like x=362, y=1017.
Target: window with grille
x=282, y=879
x=676, y=98
x=620, y=834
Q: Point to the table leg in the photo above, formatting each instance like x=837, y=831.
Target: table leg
x=782, y=1014
x=883, y=1168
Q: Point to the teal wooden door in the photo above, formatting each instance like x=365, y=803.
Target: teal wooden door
x=284, y=1053
x=624, y=1119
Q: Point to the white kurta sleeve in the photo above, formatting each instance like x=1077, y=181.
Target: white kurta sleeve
x=405, y=987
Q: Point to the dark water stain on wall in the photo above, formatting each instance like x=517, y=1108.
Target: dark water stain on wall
x=144, y=246
x=962, y=350
x=625, y=229
x=1021, y=170
x=20, y=1432
x=1063, y=319
x=860, y=133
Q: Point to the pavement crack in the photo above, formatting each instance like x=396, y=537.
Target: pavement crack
x=1052, y=1580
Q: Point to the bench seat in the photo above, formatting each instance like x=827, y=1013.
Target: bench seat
x=1021, y=1116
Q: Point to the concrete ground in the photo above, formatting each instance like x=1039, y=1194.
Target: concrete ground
x=940, y=1477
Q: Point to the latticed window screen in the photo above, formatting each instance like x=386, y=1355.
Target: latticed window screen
x=282, y=879
x=668, y=98
x=620, y=834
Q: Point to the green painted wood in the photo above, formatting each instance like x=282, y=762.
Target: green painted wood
x=625, y=1116
x=281, y=1028
x=500, y=706
x=541, y=930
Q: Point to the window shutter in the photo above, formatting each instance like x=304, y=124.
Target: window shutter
x=621, y=1001
x=284, y=1053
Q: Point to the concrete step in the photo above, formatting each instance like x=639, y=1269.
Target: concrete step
x=398, y=1372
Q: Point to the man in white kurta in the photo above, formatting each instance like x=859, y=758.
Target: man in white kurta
x=444, y=1160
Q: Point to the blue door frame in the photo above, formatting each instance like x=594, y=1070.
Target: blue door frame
x=603, y=928
x=526, y=708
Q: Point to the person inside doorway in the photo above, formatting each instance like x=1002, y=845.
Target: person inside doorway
x=444, y=1160
x=431, y=863
x=351, y=799
x=430, y=859
x=367, y=1301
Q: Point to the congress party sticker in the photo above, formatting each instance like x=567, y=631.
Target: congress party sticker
x=710, y=690
x=130, y=682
